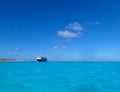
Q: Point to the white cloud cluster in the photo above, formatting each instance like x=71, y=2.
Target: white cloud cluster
x=74, y=26
x=72, y=30
x=67, y=34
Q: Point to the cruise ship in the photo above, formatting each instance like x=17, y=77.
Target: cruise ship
x=41, y=59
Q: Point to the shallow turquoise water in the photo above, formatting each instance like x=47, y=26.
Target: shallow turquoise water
x=60, y=77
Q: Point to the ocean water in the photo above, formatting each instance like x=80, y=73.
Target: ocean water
x=60, y=77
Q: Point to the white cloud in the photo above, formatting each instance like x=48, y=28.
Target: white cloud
x=67, y=34
x=55, y=47
x=74, y=26
x=72, y=30
x=16, y=49
x=59, y=47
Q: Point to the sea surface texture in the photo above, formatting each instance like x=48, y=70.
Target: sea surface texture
x=60, y=77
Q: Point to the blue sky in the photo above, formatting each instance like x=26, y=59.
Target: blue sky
x=60, y=29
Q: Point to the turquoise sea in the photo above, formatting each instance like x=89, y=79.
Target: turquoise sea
x=60, y=77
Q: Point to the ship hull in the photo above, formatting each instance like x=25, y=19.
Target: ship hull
x=39, y=60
